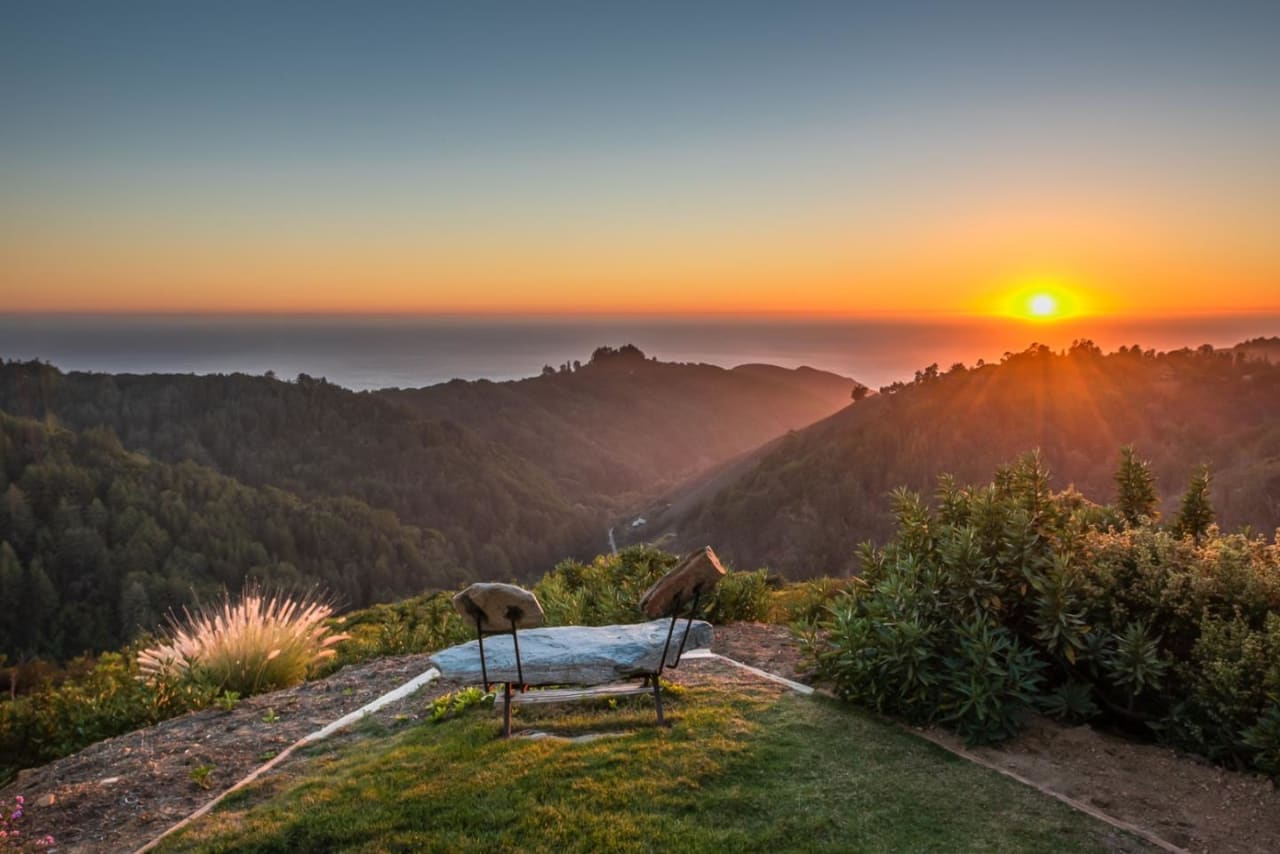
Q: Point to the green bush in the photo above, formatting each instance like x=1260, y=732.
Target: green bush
x=420, y=624
x=806, y=602
x=1264, y=739
x=109, y=699
x=607, y=591
x=1010, y=597
x=739, y=597
x=604, y=592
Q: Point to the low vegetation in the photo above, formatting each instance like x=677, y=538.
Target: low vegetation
x=1009, y=598
x=740, y=771
x=247, y=646
x=988, y=604
x=259, y=644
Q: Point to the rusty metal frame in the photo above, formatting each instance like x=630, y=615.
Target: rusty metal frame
x=655, y=678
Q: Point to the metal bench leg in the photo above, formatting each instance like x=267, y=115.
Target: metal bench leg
x=657, y=699
x=506, y=710
x=515, y=640
x=484, y=669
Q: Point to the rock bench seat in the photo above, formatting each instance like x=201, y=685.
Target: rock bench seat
x=574, y=655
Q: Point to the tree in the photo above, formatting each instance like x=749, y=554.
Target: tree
x=11, y=611
x=1135, y=488
x=1195, y=515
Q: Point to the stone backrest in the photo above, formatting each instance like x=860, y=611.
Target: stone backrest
x=698, y=573
x=497, y=606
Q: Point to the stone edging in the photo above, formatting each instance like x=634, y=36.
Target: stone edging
x=319, y=735
x=798, y=687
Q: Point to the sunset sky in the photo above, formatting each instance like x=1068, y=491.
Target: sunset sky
x=843, y=158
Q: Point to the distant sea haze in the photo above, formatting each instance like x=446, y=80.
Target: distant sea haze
x=410, y=351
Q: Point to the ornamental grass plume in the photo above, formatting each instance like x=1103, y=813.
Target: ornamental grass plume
x=259, y=643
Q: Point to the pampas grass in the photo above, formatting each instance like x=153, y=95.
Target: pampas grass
x=258, y=643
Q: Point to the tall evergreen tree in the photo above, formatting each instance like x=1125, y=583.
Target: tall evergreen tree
x=1195, y=515
x=1135, y=488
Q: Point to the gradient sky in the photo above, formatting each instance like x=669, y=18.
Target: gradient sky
x=643, y=157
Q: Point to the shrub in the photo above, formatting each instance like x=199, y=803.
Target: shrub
x=420, y=624
x=740, y=596
x=1264, y=738
x=604, y=592
x=107, y=700
x=991, y=681
x=258, y=643
x=1008, y=597
x=607, y=591
x=806, y=602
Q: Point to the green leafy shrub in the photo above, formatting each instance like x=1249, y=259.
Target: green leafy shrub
x=991, y=681
x=740, y=596
x=607, y=591
x=420, y=624
x=1230, y=682
x=806, y=602
x=1134, y=663
x=604, y=592
x=1070, y=701
x=1264, y=738
x=109, y=699
x=1003, y=598
x=258, y=643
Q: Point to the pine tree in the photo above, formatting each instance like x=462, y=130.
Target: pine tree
x=1196, y=513
x=1135, y=488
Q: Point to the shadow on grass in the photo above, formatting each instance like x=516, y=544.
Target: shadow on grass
x=738, y=771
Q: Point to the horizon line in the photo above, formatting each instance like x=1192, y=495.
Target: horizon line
x=643, y=314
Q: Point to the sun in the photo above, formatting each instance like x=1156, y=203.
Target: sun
x=1043, y=306
x=1040, y=299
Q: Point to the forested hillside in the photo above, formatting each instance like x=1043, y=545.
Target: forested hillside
x=623, y=423
x=96, y=542
x=805, y=504
x=123, y=494
x=499, y=514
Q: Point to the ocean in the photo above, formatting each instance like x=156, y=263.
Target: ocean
x=367, y=352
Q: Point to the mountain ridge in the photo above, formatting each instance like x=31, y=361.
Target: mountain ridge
x=802, y=504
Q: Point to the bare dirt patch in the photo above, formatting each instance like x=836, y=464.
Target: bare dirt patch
x=1178, y=797
x=765, y=645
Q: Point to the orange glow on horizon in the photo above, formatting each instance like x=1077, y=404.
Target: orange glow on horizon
x=784, y=278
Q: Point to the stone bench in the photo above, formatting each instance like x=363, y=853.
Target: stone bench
x=518, y=653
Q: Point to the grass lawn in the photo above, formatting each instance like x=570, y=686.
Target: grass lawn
x=740, y=771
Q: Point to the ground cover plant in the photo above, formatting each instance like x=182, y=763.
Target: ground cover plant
x=1008, y=598
x=741, y=770
x=107, y=695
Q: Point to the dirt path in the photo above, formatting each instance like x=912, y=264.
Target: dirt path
x=120, y=793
